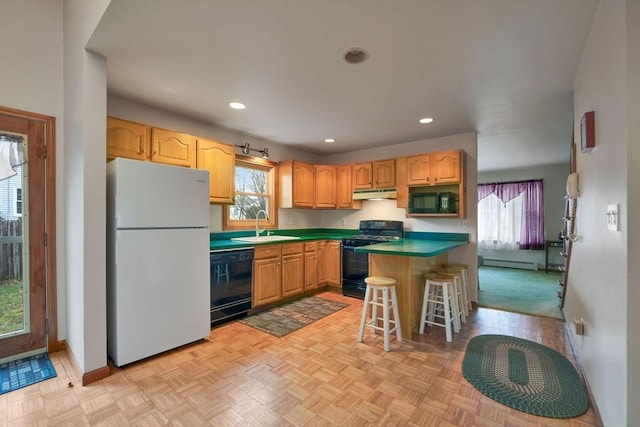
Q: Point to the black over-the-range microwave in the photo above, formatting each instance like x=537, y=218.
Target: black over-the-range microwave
x=432, y=202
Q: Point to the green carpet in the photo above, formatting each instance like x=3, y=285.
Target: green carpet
x=288, y=318
x=524, y=375
x=520, y=291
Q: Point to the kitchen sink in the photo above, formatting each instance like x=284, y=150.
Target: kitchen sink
x=264, y=239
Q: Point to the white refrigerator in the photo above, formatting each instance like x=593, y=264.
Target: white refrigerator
x=157, y=258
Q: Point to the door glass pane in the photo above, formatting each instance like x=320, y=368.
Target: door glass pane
x=14, y=286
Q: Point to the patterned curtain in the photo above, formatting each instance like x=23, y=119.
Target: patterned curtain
x=11, y=155
x=532, y=231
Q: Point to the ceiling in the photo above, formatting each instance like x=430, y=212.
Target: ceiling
x=503, y=68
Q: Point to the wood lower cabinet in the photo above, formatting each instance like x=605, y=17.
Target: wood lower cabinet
x=266, y=275
x=278, y=272
x=292, y=269
x=310, y=265
x=329, y=263
x=333, y=257
x=127, y=139
x=173, y=148
x=220, y=160
x=322, y=262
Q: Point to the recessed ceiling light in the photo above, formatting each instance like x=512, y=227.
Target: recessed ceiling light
x=355, y=55
x=329, y=140
x=426, y=120
x=237, y=105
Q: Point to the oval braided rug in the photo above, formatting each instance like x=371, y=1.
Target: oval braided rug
x=524, y=375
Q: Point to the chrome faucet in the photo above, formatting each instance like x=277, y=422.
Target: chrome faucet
x=266, y=218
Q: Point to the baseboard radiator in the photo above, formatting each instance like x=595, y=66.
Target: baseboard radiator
x=525, y=265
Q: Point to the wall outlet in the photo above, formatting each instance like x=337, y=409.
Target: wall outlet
x=579, y=325
x=463, y=223
x=343, y=221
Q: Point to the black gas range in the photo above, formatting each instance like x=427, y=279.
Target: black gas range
x=355, y=266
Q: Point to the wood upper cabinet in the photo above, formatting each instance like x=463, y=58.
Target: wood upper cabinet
x=419, y=170
x=325, y=186
x=434, y=168
x=344, y=189
x=378, y=174
x=220, y=160
x=127, y=139
x=333, y=256
x=384, y=173
x=402, y=189
x=310, y=265
x=173, y=148
x=297, y=187
x=446, y=166
x=362, y=176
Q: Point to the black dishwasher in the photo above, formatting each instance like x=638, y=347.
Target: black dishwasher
x=231, y=271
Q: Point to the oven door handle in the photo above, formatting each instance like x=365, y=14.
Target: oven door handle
x=349, y=248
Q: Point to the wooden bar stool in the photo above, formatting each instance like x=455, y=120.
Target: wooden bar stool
x=465, y=284
x=438, y=303
x=458, y=293
x=388, y=301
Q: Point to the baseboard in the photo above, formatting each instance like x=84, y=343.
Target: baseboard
x=576, y=355
x=525, y=265
x=95, y=375
x=91, y=376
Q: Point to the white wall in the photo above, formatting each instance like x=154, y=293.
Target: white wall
x=554, y=178
x=31, y=80
x=85, y=182
x=599, y=286
x=633, y=208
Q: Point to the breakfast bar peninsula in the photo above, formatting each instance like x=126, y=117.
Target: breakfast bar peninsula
x=406, y=261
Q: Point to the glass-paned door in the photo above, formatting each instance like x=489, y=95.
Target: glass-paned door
x=14, y=285
x=22, y=237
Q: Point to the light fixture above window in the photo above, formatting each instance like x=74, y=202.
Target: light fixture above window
x=426, y=120
x=237, y=105
x=329, y=140
x=246, y=148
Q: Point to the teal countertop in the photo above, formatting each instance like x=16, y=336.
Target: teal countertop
x=222, y=240
x=412, y=247
x=421, y=244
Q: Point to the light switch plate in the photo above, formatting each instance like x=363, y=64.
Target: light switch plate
x=612, y=217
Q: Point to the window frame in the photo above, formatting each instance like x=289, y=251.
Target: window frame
x=272, y=177
x=18, y=200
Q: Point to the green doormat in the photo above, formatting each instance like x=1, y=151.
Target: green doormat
x=23, y=372
x=524, y=375
x=287, y=318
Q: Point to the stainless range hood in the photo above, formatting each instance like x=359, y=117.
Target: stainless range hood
x=384, y=193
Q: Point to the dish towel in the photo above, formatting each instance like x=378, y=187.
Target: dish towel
x=11, y=155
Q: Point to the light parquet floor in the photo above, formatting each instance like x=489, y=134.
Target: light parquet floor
x=317, y=376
